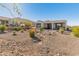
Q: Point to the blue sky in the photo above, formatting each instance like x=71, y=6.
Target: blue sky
x=46, y=11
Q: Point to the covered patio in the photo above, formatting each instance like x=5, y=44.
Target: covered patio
x=55, y=25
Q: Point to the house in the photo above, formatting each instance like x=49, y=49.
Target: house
x=4, y=20
x=49, y=24
x=13, y=21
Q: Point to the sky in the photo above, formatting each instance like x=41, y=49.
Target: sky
x=45, y=11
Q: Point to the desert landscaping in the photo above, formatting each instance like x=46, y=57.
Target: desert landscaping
x=27, y=38
x=49, y=43
x=39, y=30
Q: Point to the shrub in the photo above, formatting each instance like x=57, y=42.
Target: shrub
x=22, y=31
x=32, y=33
x=41, y=29
x=14, y=33
x=28, y=23
x=75, y=31
x=61, y=30
x=69, y=29
x=17, y=28
x=2, y=28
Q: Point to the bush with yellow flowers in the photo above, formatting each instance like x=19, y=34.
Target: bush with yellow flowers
x=32, y=32
x=75, y=31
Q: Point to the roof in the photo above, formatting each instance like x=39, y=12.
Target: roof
x=4, y=18
x=17, y=19
x=50, y=21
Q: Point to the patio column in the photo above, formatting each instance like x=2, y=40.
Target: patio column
x=52, y=26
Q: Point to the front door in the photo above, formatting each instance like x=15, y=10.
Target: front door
x=49, y=26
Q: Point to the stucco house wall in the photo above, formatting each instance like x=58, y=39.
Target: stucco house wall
x=51, y=24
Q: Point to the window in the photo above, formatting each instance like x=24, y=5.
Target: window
x=38, y=25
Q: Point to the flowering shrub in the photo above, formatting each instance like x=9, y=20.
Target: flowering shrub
x=32, y=32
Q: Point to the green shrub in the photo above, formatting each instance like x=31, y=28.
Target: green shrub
x=41, y=29
x=75, y=31
x=2, y=28
x=14, y=33
x=22, y=31
x=61, y=30
x=17, y=28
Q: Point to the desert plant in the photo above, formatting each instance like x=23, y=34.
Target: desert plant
x=75, y=31
x=61, y=30
x=32, y=32
x=22, y=31
x=69, y=28
x=14, y=33
x=17, y=28
x=28, y=23
x=2, y=28
x=41, y=29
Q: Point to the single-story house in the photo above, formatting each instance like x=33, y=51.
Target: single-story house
x=49, y=24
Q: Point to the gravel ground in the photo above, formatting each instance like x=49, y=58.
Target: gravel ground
x=52, y=44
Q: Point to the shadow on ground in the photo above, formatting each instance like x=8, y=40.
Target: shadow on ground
x=35, y=40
